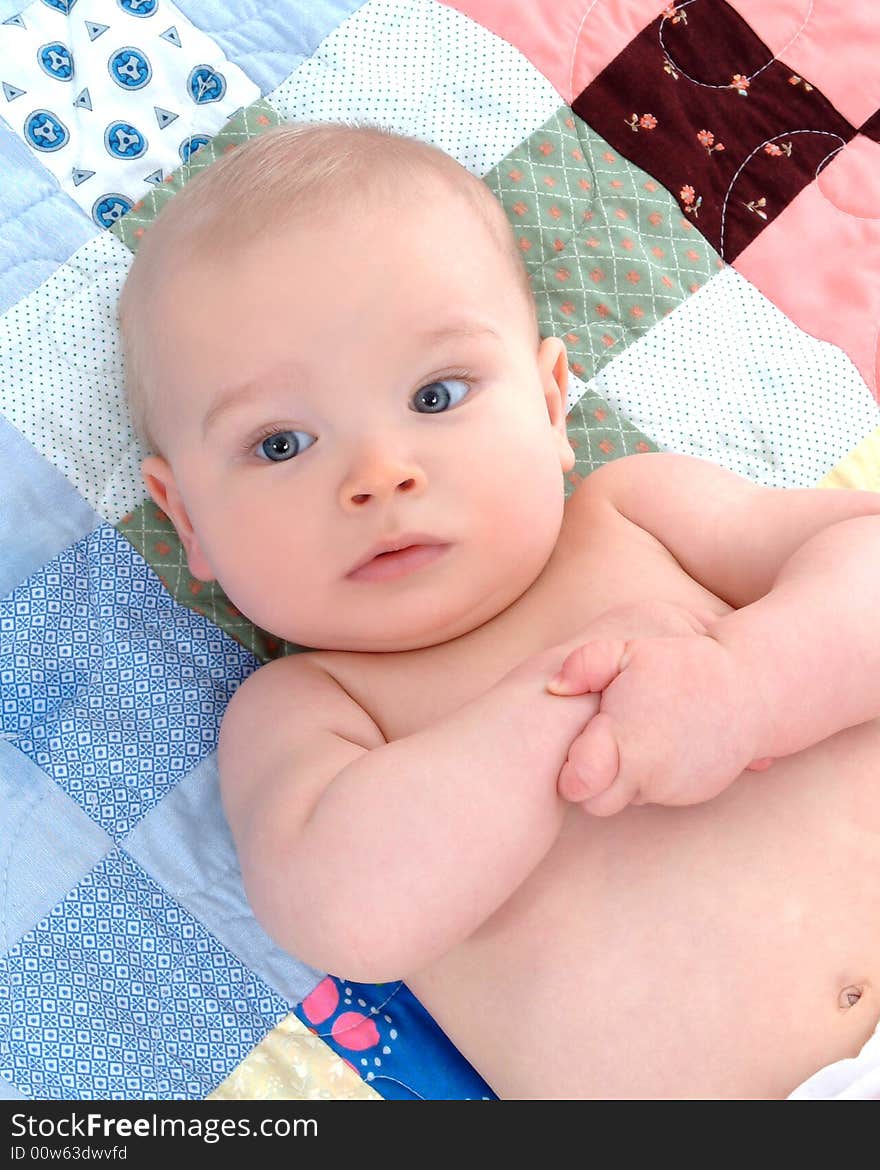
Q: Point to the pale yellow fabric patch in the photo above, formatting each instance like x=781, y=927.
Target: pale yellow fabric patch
x=292, y=1064
x=860, y=470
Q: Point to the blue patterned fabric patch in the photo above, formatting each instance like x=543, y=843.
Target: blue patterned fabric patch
x=186, y=844
x=107, y=684
x=120, y=994
x=114, y=104
x=384, y=1033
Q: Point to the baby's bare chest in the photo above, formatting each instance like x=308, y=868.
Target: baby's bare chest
x=601, y=561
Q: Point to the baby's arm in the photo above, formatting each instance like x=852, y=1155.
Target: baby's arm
x=800, y=568
x=811, y=646
x=371, y=859
x=800, y=652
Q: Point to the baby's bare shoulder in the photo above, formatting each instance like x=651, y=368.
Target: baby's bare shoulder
x=291, y=694
x=290, y=710
x=654, y=472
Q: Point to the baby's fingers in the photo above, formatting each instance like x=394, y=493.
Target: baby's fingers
x=593, y=761
x=590, y=667
x=613, y=800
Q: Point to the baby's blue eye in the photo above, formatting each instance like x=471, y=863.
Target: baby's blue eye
x=281, y=446
x=435, y=398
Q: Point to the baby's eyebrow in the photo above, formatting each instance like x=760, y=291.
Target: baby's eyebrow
x=232, y=397
x=474, y=329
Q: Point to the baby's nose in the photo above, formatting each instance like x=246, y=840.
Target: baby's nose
x=382, y=479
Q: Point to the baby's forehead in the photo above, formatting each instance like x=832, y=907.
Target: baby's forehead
x=200, y=234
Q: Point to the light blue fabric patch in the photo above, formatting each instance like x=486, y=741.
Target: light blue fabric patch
x=41, y=512
x=267, y=42
x=9, y=1092
x=185, y=844
x=47, y=844
x=120, y=994
x=109, y=685
x=40, y=226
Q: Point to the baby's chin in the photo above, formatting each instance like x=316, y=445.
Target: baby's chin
x=387, y=622
x=388, y=642
x=385, y=637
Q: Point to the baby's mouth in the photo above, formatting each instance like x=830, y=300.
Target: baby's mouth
x=393, y=563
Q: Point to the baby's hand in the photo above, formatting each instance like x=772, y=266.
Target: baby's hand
x=677, y=722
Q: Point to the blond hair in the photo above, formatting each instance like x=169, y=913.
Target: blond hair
x=297, y=169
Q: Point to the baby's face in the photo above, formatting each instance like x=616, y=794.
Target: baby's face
x=336, y=386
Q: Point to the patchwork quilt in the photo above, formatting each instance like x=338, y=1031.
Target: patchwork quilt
x=695, y=189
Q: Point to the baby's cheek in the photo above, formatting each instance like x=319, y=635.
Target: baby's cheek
x=262, y=581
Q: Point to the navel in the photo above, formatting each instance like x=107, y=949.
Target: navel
x=849, y=996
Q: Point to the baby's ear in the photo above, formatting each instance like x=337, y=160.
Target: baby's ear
x=162, y=486
x=553, y=365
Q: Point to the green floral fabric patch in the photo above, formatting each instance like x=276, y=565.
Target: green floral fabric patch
x=607, y=248
x=599, y=434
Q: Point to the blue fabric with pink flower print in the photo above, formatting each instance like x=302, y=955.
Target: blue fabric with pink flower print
x=385, y=1035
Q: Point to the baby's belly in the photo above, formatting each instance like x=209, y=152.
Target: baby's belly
x=697, y=952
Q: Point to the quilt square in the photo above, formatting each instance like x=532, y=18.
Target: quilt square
x=120, y=994
x=47, y=844
x=728, y=377
x=699, y=101
x=607, y=250
x=820, y=261
x=40, y=225
x=112, y=99
x=834, y=45
x=40, y=510
x=384, y=1033
x=185, y=844
x=291, y=1064
x=871, y=128
x=422, y=69
x=61, y=376
x=268, y=41
x=8, y=1091
x=107, y=684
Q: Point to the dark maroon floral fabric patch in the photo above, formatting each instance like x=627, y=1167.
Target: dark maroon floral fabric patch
x=871, y=128
x=697, y=100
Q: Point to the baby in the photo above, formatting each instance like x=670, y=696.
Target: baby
x=358, y=431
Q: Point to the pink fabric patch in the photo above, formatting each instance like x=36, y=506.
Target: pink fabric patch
x=836, y=50
x=321, y=1003
x=819, y=260
x=569, y=41
x=355, y=1031
x=852, y=180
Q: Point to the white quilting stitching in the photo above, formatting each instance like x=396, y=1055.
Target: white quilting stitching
x=709, y=85
x=784, y=134
x=574, y=47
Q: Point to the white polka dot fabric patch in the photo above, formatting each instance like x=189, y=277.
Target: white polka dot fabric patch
x=425, y=70
x=61, y=380
x=114, y=98
x=728, y=377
